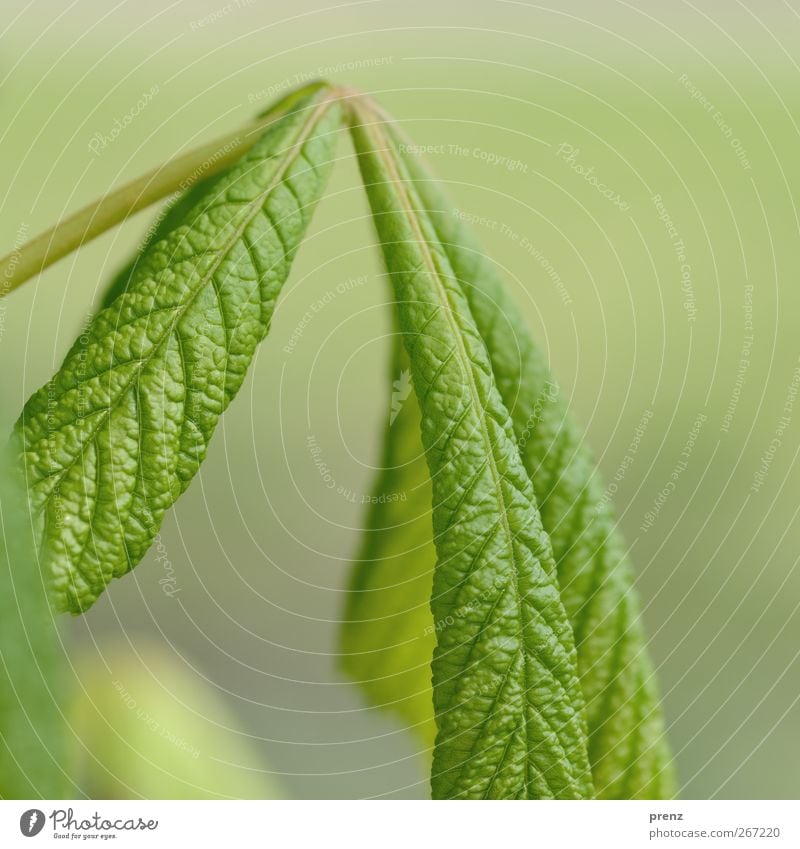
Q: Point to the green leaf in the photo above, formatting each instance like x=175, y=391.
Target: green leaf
x=387, y=634
x=508, y=705
x=117, y=435
x=627, y=746
x=32, y=688
x=148, y=724
x=199, y=193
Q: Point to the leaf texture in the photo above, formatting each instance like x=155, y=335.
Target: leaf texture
x=33, y=732
x=508, y=705
x=199, y=193
x=627, y=742
x=387, y=634
x=117, y=435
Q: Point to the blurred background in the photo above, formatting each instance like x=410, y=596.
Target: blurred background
x=634, y=169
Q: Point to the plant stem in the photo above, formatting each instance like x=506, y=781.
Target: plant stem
x=91, y=221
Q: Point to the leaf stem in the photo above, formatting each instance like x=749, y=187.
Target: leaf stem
x=106, y=212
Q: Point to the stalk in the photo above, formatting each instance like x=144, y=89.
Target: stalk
x=106, y=212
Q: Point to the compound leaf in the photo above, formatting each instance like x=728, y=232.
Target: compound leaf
x=387, y=635
x=507, y=700
x=627, y=742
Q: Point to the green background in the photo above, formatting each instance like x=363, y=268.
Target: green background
x=256, y=554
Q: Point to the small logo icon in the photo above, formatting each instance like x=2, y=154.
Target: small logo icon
x=31, y=822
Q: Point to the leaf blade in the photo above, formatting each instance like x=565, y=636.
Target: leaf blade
x=627, y=744
x=498, y=735
x=627, y=738
x=387, y=637
x=125, y=423
x=33, y=731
